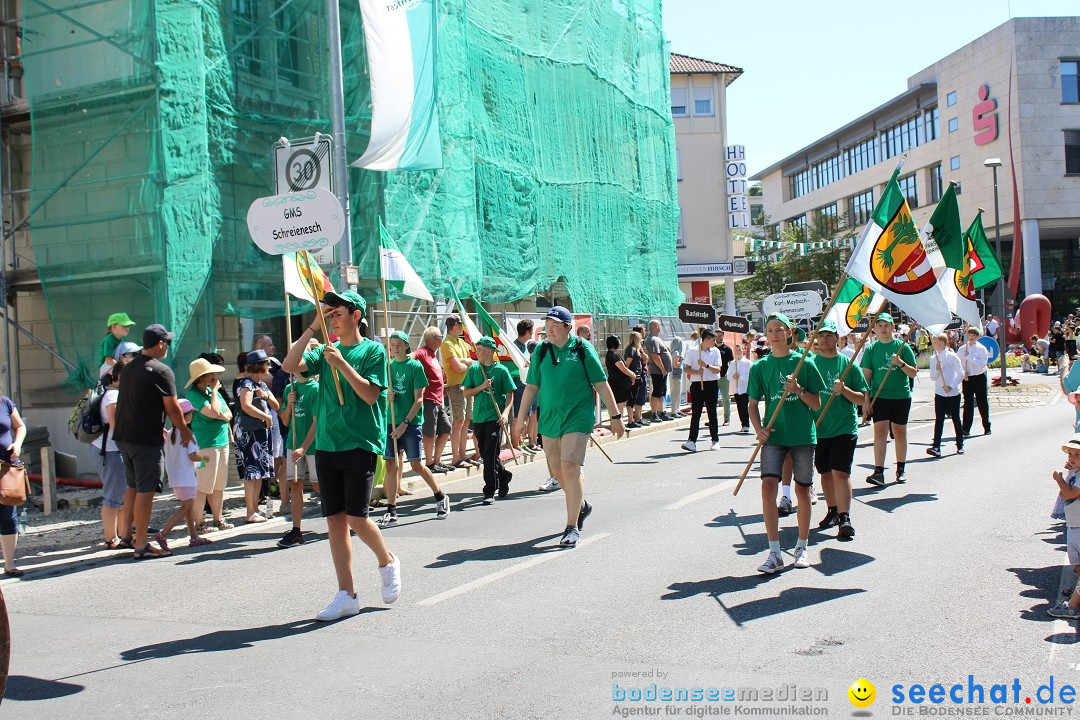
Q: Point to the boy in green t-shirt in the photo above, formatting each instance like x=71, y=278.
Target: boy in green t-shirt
x=491, y=389
x=118, y=325
x=299, y=414
x=792, y=434
x=888, y=364
x=348, y=436
x=837, y=428
x=406, y=414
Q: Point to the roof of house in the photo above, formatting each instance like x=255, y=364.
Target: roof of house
x=686, y=65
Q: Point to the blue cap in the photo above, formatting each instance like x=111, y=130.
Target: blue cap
x=560, y=314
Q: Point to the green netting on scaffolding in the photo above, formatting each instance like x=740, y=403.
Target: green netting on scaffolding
x=153, y=122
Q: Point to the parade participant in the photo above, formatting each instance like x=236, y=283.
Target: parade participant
x=723, y=382
x=740, y=376
x=117, y=328
x=299, y=416
x=792, y=433
x=406, y=397
x=563, y=373
x=703, y=364
x=947, y=372
x=888, y=363
x=837, y=428
x=973, y=357
x=348, y=438
x=456, y=362
x=1069, y=491
x=491, y=388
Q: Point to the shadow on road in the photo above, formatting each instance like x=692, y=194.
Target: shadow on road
x=892, y=503
x=1042, y=584
x=242, y=548
x=224, y=640
x=21, y=687
x=789, y=599
x=497, y=552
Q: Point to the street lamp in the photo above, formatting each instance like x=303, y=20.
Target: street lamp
x=995, y=163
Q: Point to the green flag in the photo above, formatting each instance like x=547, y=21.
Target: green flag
x=985, y=266
x=853, y=301
x=944, y=231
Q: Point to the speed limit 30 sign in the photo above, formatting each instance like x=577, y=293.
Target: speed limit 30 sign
x=303, y=164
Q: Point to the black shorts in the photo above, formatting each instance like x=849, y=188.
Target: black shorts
x=345, y=481
x=144, y=466
x=659, y=385
x=620, y=388
x=895, y=411
x=639, y=393
x=835, y=453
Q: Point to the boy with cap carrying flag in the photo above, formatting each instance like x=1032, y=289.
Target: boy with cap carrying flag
x=563, y=373
x=837, y=428
x=489, y=385
x=349, y=436
x=888, y=363
x=792, y=434
x=406, y=397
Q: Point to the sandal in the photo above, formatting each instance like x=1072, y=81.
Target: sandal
x=149, y=552
x=224, y=525
x=197, y=541
x=203, y=528
x=256, y=518
x=162, y=541
x=125, y=544
x=114, y=543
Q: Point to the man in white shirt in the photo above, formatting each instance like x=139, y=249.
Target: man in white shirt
x=702, y=370
x=947, y=372
x=973, y=358
x=992, y=327
x=739, y=372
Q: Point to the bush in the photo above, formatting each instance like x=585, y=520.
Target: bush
x=1013, y=362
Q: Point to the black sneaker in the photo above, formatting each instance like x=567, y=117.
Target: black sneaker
x=831, y=518
x=986, y=431
x=876, y=479
x=665, y=417
x=586, y=511
x=933, y=451
x=437, y=468
x=291, y=539
x=846, y=531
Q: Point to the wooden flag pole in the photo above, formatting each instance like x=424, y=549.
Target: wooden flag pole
x=843, y=375
x=600, y=448
x=389, y=375
x=784, y=394
x=320, y=293
x=509, y=441
x=883, y=381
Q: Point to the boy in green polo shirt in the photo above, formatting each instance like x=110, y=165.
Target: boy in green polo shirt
x=888, y=364
x=407, y=383
x=348, y=437
x=490, y=386
x=837, y=428
x=792, y=434
x=299, y=414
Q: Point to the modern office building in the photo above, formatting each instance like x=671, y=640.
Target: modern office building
x=1012, y=95
x=704, y=240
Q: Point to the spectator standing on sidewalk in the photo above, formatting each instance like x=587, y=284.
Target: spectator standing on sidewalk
x=437, y=426
x=12, y=435
x=147, y=396
x=659, y=369
x=113, y=482
x=675, y=383
x=456, y=362
x=639, y=390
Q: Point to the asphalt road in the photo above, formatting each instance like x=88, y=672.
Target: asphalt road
x=949, y=576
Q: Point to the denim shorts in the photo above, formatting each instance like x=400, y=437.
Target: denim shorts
x=410, y=442
x=802, y=462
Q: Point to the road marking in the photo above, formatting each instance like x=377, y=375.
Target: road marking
x=505, y=572
x=679, y=504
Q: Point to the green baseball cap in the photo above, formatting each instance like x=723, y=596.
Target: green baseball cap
x=885, y=317
x=782, y=318
x=801, y=333
x=828, y=326
x=345, y=297
x=119, y=319
x=402, y=337
x=486, y=342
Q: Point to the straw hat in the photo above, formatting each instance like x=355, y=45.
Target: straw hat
x=201, y=367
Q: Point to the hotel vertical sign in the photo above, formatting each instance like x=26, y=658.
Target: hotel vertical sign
x=737, y=204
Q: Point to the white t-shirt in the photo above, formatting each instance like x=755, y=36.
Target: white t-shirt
x=178, y=466
x=109, y=398
x=1072, y=507
x=709, y=357
x=739, y=373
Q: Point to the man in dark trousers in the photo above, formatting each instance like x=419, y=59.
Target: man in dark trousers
x=724, y=384
x=973, y=357
x=147, y=395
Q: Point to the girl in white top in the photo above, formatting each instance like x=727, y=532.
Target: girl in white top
x=180, y=467
x=113, y=477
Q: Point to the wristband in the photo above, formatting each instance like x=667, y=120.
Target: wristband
x=616, y=417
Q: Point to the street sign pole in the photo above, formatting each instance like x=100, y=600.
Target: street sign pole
x=341, y=167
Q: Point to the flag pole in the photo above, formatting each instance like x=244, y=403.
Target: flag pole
x=494, y=402
x=389, y=376
x=883, y=381
x=798, y=367
x=320, y=293
x=292, y=378
x=843, y=375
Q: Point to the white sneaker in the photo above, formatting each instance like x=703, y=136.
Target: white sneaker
x=772, y=565
x=813, y=495
x=551, y=484
x=689, y=446
x=391, y=580
x=715, y=445
x=343, y=605
x=442, y=507
x=802, y=557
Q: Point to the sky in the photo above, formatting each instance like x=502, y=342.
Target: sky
x=811, y=66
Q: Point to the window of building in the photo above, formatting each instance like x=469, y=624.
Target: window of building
x=954, y=162
x=827, y=218
x=757, y=214
x=798, y=222
x=900, y=137
x=680, y=240
x=827, y=171
x=860, y=207
x=954, y=125
x=908, y=186
x=1072, y=152
x=703, y=101
x=950, y=99
x=936, y=187
x=1070, y=81
x=801, y=183
x=860, y=156
x=930, y=124
x=678, y=102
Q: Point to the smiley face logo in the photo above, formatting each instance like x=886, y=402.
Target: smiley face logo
x=862, y=693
